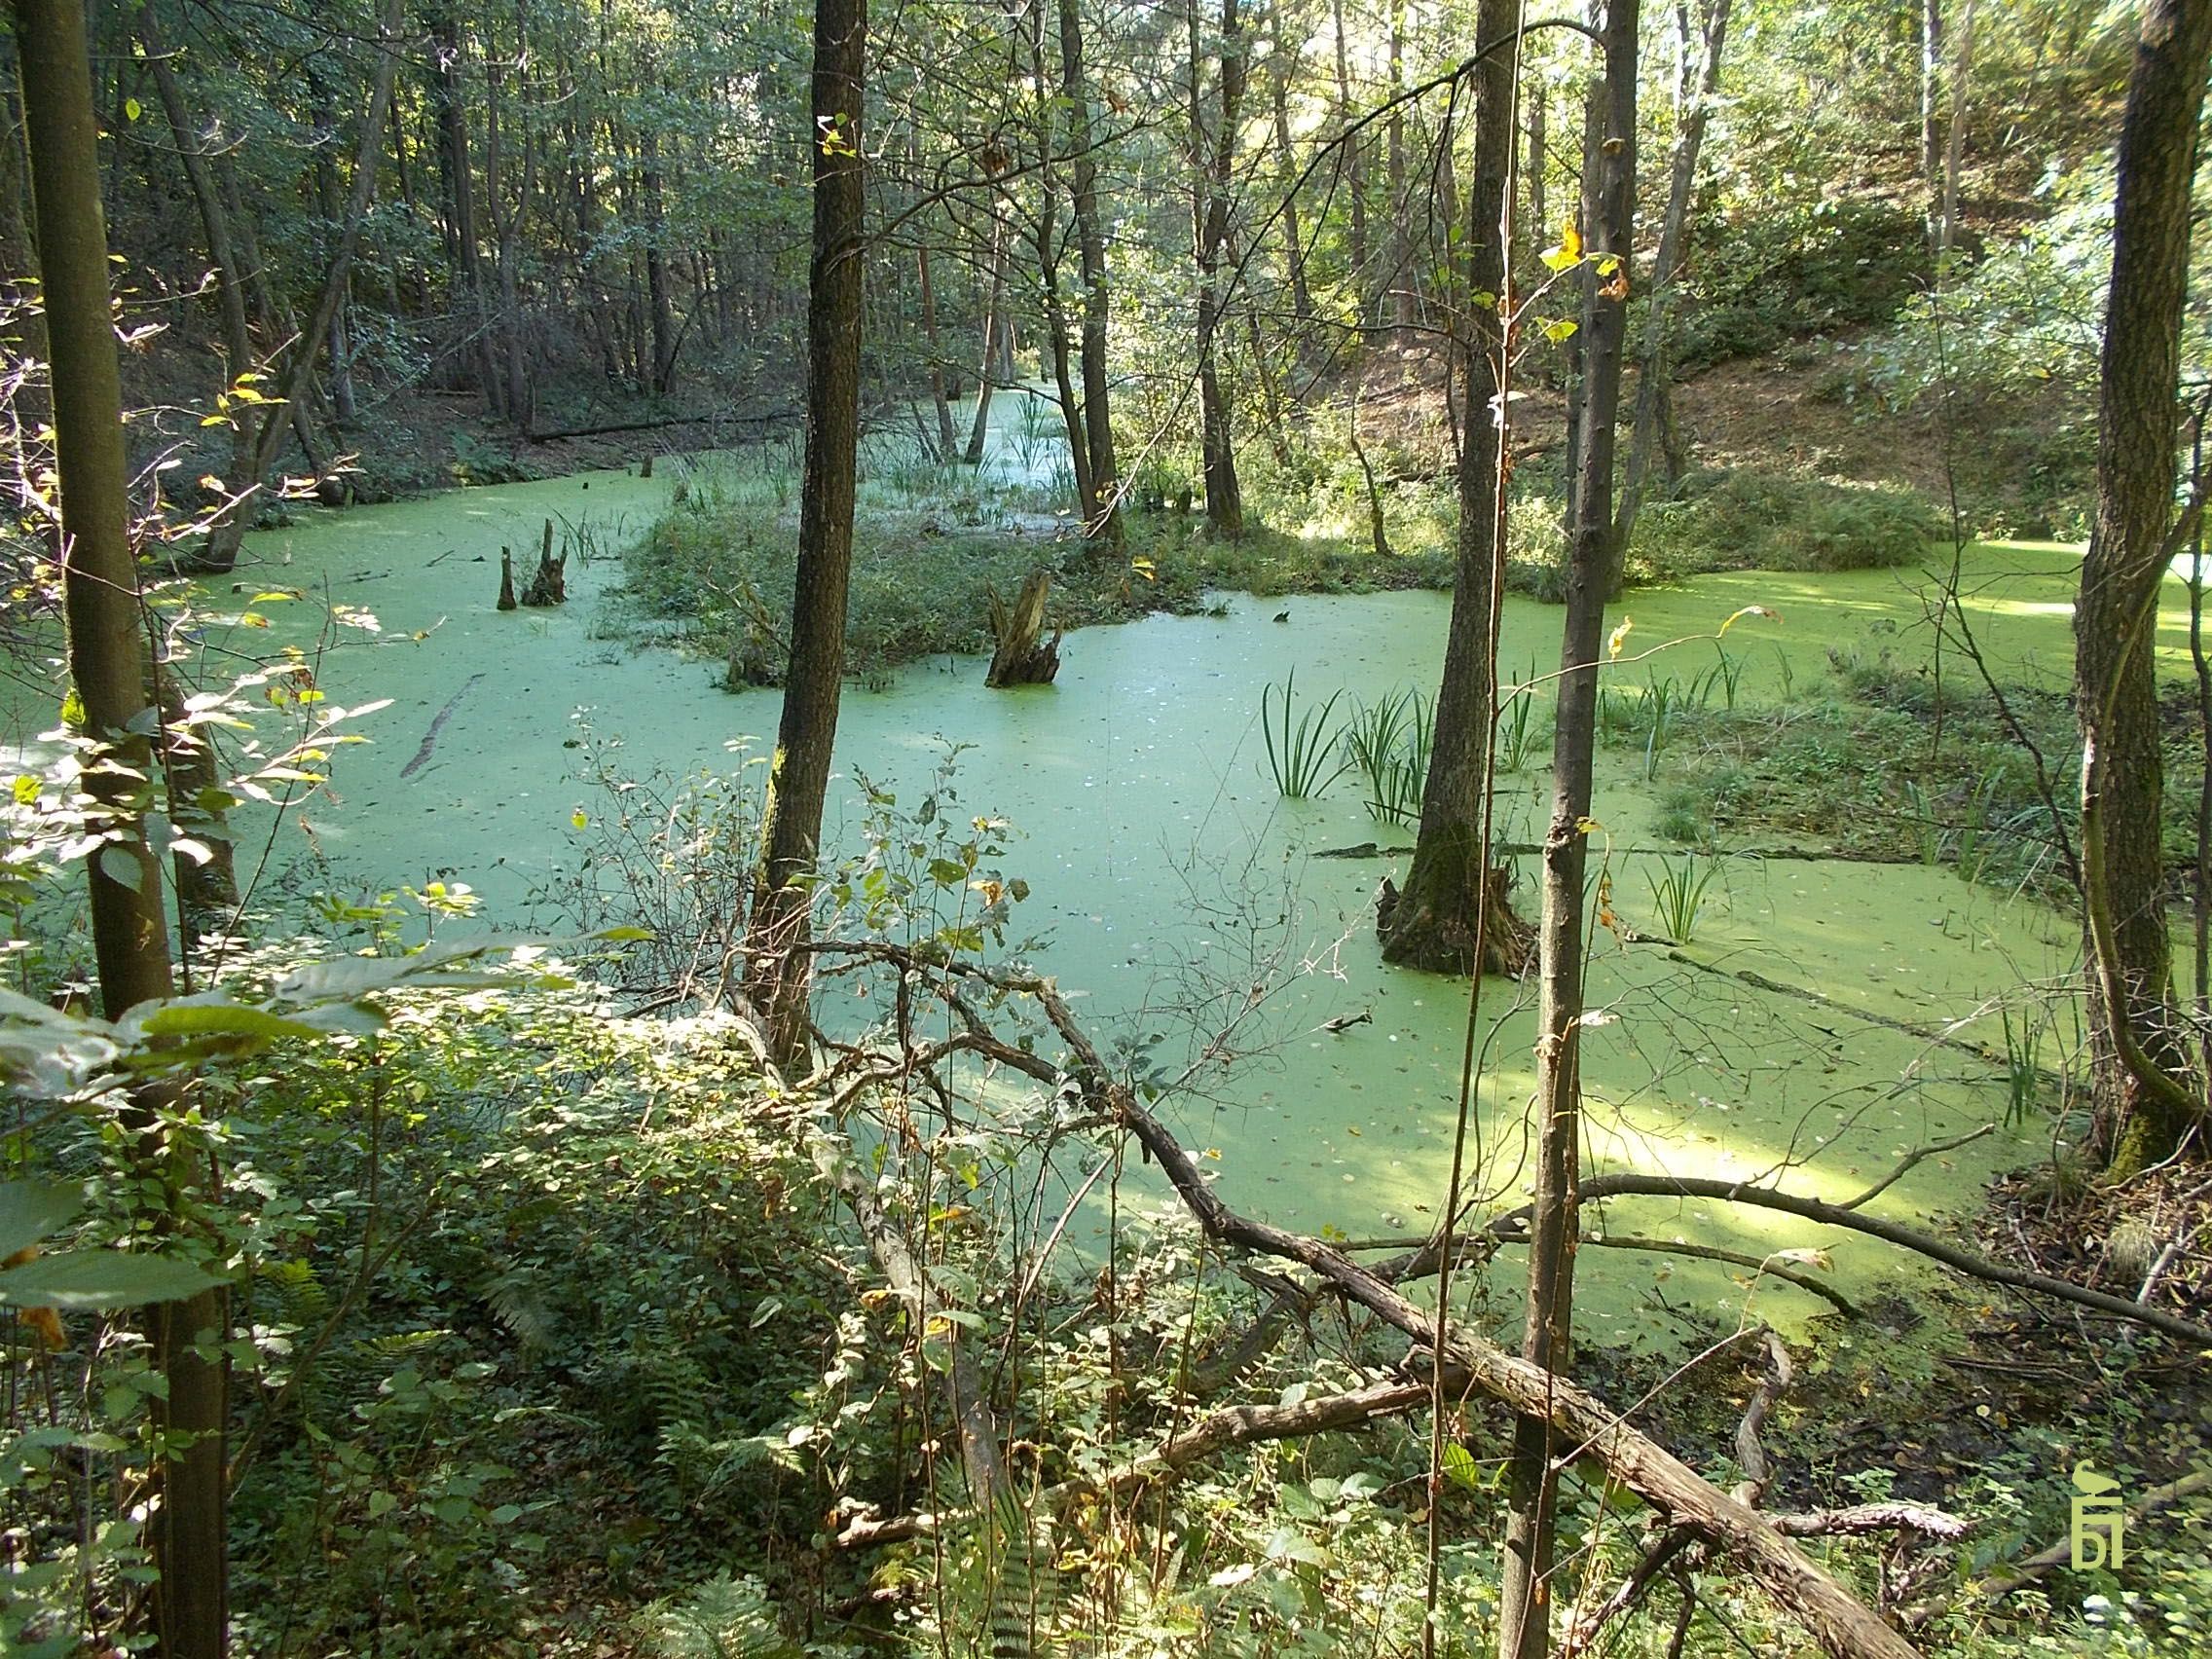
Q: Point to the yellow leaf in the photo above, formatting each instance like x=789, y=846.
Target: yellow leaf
x=1619, y=639
x=579, y=818
x=1764, y=612
x=1586, y=826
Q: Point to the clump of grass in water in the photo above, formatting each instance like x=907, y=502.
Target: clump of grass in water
x=1299, y=756
x=1678, y=893
x=1519, y=731
x=1389, y=741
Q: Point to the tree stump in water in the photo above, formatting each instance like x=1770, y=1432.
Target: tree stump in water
x=550, y=585
x=1440, y=935
x=1023, y=656
x=506, y=580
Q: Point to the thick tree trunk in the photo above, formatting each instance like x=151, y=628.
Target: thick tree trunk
x=1102, y=511
x=1523, y=1601
x=1653, y=367
x=1435, y=922
x=106, y=662
x=2145, y=1106
x=798, y=777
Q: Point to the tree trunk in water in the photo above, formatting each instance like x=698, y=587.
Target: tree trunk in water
x=790, y=832
x=1224, y=500
x=1435, y=921
x=980, y=428
x=2138, y=1062
x=1524, y=1599
x=1102, y=515
x=1653, y=367
x=129, y=933
x=1023, y=655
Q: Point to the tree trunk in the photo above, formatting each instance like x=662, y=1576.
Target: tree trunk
x=461, y=199
x=1435, y=922
x=1102, y=515
x=1653, y=367
x=1955, y=140
x=228, y=526
x=106, y=662
x=2138, y=1061
x=1400, y=305
x=1023, y=655
x=791, y=833
x=1355, y=168
x=1523, y=1610
x=1282, y=63
x=1224, y=500
x=986, y=377
x=1930, y=84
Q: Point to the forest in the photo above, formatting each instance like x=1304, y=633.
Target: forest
x=1248, y=827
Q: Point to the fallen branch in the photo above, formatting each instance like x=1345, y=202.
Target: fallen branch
x=1765, y=1264
x=1600, y=1187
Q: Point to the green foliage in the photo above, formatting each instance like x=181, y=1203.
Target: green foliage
x=1389, y=741
x=1678, y=893
x=1800, y=266
x=1300, y=753
x=1736, y=518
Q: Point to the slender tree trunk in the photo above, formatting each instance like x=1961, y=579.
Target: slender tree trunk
x=344, y=407
x=1400, y=305
x=799, y=778
x=1102, y=513
x=1930, y=86
x=450, y=95
x=2146, y=1105
x=226, y=528
x=946, y=438
x=1282, y=63
x=1434, y=923
x=1653, y=367
x=1225, y=501
x=987, y=373
x=1955, y=140
x=107, y=664
x=1524, y=1597
x=1539, y=159
x=1356, y=168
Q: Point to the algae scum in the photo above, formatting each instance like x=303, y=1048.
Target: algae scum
x=1169, y=878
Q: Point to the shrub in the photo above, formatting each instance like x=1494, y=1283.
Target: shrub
x=1739, y=518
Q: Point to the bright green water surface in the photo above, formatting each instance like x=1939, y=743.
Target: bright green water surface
x=1155, y=840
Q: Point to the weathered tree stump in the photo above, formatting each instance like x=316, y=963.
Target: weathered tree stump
x=506, y=580
x=550, y=585
x=1025, y=657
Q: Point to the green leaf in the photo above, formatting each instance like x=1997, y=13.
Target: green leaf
x=95, y=1279
x=31, y=1210
x=223, y=1020
x=1459, y=1467
x=1559, y=329
x=120, y=866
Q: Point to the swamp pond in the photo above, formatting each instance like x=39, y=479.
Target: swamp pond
x=1165, y=868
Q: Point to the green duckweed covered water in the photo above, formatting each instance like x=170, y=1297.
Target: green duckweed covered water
x=1157, y=848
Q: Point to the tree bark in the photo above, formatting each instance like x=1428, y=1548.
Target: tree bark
x=1282, y=63
x=1356, y=168
x=1102, y=511
x=130, y=942
x=1652, y=366
x=986, y=375
x=1524, y=1611
x=1955, y=140
x=1225, y=499
x=798, y=777
x=2138, y=1061
x=1436, y=921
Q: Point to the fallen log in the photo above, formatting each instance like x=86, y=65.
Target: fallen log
x=1843, y=1626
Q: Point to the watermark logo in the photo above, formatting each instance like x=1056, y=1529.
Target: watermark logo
x=2099, y=1517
